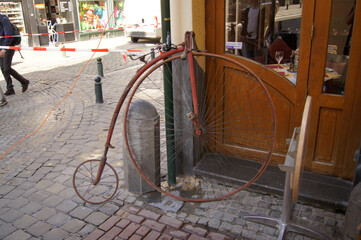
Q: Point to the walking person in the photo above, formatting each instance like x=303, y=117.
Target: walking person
x=6, y=57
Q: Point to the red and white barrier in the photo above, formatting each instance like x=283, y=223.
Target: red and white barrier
x=84, y=31
x=64, y=49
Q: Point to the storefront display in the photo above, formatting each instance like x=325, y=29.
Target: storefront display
x=14, y=12
x=119, y=13
x=92, y=14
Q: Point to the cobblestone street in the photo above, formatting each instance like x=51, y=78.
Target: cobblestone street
x=37, y=199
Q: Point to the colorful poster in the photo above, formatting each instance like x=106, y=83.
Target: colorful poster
x=92, y=14
x=119, y=13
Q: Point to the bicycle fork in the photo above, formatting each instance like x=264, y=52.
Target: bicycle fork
x=190, y=45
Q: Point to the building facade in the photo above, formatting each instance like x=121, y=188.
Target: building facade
x=34, y=17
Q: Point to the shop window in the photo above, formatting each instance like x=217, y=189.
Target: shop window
x=92, y=14
x=258, y=29
x=119, y=13
x=65, y=14
x=339, y=44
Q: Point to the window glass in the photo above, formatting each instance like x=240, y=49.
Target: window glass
x=259, y=29
x=92, y=14
x=119, y=13
x=339, y=44
x=65, y=12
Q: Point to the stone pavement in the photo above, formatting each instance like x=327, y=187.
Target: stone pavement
x=37, y=200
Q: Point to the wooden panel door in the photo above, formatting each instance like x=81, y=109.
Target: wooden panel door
x=288, y=98
x=332, y=98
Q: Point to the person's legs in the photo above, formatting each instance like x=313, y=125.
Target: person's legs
x=5, y=71
x=9, y=71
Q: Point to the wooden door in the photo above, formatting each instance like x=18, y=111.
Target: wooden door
x=284, y=93
x=332, y=114
x=333, y=99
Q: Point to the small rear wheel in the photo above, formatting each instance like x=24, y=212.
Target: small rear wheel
x=84, y=177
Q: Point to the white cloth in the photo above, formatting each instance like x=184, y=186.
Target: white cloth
x=252, y=23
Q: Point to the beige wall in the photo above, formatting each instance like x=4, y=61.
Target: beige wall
x=187, y=15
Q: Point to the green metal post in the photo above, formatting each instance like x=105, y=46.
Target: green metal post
x=100, y=67
x=98, y=90
x=168, y=93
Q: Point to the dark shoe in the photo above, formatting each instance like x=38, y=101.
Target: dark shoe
x=26, y=85
x=9, y=92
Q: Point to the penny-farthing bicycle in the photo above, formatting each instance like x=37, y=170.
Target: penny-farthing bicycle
x=218, y=101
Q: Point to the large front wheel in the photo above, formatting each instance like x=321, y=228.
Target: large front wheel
x=199, y=156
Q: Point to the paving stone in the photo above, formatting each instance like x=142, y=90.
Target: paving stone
x=17, y=235
x=11, y=215
x=56, y=188
x=17, y=203
x=6, y=229
x=95, y=235
x=249, y=234
x=96, y=218
x=203, y=221
x=135, y=218
x=81, y=212
x=165, y=237
x=67, y=206
x=43, y=184
x=225, y=226
x=111, y=234
x=55, y=234
x=194, y=230
x=123, y=223
x=227, y=218
x=37, y=196
x=143, y=230
x=59, y=219
x=5, y=189
x=39, y=228
x=152, y=235
x=88, y=228
x=53, y=201
x=25, y=221
x=16, y=193
x=237, y=229
x=31, y=208
x=131, y=209
x=73, y=225
x=154, y=225
x=217, y=236
x=176, y=233
x=108, y=224
x=45, y=213
x=108, y=208
x=214, y=223
x=172, y=222
x=5, y=202
x=192, y=218
x=148, y=214
x=129, y=230
x=135, y=237
x=195, y=237
x=269, y=230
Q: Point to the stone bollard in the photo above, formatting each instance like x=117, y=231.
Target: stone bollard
x=353, y=214
x=98, y=90
x=100, y=67
x=143, y=136
x=2, y=98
